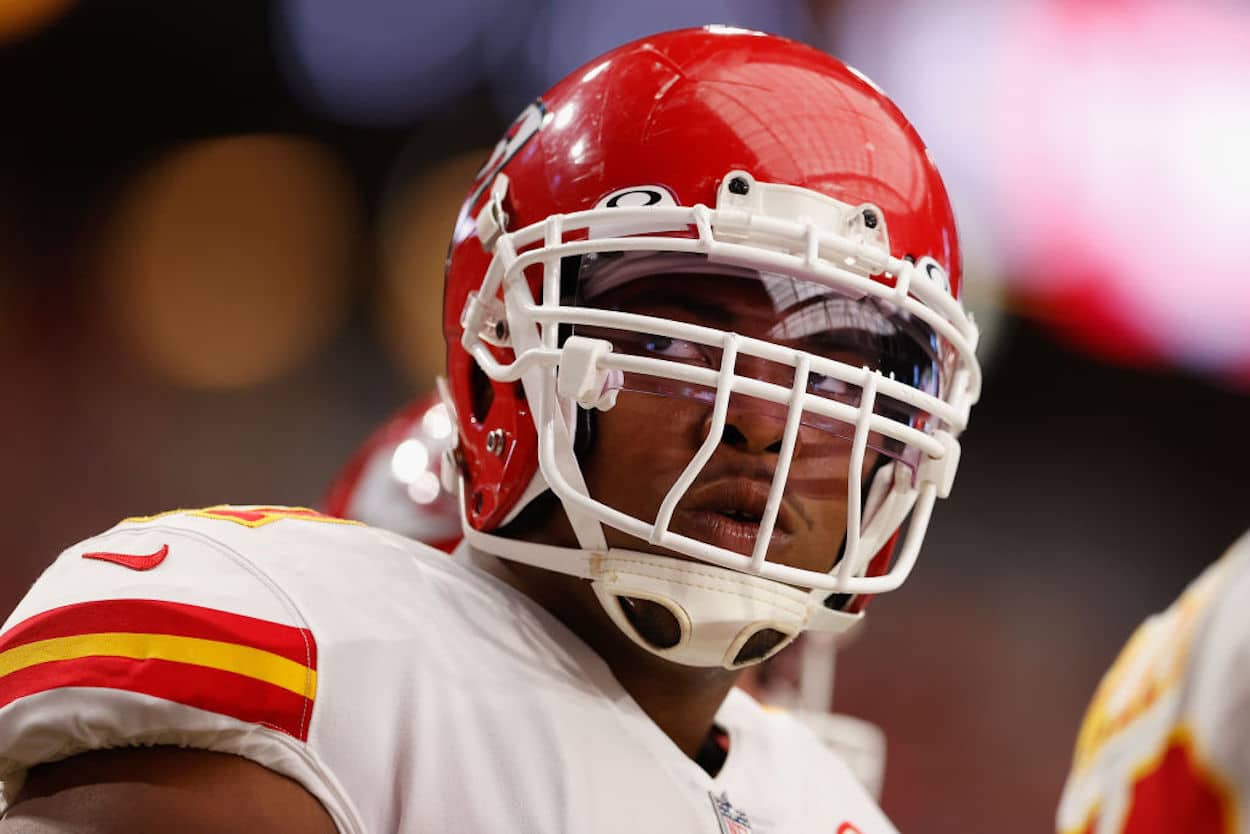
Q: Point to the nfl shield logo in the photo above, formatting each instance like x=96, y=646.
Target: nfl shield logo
x=732, y=821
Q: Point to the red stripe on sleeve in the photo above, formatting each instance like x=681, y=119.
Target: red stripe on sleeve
x=1177, y=795
x=225, y=693
x=143, y=616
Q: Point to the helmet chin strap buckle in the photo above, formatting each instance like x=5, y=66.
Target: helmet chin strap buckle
x=581, y=378
x=726, y=618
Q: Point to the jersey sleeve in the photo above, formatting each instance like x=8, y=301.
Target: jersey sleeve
x=1165, y=744
x=158, y=633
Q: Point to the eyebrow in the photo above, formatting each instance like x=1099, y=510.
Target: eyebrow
x=700, y=307
x=703, y=310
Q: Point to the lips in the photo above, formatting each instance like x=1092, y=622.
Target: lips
x=727, y=512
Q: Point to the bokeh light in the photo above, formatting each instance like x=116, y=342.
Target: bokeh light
x=230, y=262
x=1101, y=143
x=23, y=18
x=409, y=460
x=566, y=33
x=416, y=227
x=437, y=422
x=425, y=488
x=380, y=61
x=1123, y=175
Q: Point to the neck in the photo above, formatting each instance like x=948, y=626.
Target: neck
x=681, y=700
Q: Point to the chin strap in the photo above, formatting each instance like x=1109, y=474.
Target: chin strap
x=718, y=610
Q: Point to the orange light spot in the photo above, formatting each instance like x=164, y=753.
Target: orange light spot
x=412, y=259
x=22, y=18
x=230, y=262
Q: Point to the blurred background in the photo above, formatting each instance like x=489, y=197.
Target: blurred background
x=222, y=229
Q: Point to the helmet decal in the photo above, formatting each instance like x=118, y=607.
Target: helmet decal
x=523, y=128
x=636, y=196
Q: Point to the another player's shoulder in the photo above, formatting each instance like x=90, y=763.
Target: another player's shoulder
x=1221, y=591
x=1155, y=664
x=1159, y=720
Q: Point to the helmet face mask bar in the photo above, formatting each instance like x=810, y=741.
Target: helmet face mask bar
x=586, y=370
x=801, y=270
x=780, y=309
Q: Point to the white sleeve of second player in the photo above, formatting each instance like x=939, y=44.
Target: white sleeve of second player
x=1215, y=712
x=1165, y=744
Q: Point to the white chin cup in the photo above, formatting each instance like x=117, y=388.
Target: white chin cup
x=718, y=610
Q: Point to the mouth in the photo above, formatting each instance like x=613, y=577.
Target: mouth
x=727, y=513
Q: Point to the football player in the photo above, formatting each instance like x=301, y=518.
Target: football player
x=392, y=482
x=1163, y=745
x=706, y=361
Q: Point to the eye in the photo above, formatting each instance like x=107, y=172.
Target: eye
x=678, y=349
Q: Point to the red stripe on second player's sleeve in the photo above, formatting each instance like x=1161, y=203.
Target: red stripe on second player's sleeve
x=144, y=616
x=225, y=693
x=1179, y=795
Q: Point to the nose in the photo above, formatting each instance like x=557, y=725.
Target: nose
x=748, y=430
x=755, y=426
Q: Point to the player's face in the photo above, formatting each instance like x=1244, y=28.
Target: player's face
x=644, y=442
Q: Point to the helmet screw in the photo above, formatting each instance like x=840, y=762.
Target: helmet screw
x=739, y=185
x=501, y=330
x=870, y=218
x=496, y=439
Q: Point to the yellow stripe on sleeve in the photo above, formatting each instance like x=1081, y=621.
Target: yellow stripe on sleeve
x=213, y=654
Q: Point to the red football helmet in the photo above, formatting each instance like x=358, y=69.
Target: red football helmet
x=393, y=479
x=708, y=152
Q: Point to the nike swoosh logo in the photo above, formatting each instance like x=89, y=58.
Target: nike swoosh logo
x=134, y=562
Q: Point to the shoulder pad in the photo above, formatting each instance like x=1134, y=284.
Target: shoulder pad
x=186, y=629
x=160, y=608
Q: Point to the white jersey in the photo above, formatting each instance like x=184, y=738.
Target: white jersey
x=1165, y=746
x=406, y=690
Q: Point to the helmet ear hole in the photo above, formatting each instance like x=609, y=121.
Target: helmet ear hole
x=481, y=393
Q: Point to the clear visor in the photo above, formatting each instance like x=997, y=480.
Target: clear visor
x=839, y=335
